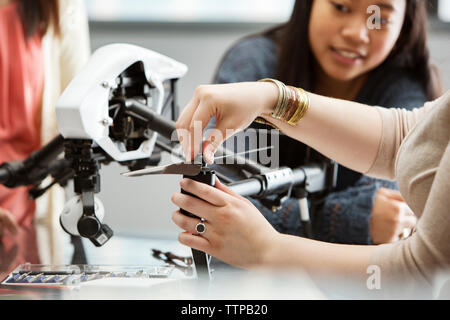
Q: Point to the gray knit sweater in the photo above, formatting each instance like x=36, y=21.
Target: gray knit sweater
x=343, y=216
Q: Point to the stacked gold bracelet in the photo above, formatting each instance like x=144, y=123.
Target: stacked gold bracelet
x=292, y=104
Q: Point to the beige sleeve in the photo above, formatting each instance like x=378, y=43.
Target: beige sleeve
x=421, y=264
x=396, y=124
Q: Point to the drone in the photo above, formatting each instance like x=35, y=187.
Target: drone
x=115, y=110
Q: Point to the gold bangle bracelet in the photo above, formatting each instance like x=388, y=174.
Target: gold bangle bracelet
x=264, y=121
x=281, y=96
x=302, y=107
x=292, y=104
x=289, y=103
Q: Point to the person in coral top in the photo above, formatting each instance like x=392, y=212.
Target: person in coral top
x=43, y=44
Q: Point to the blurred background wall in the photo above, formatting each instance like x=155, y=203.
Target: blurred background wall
x=141, y=206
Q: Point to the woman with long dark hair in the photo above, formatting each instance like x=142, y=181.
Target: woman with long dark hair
x=328, y=47
x=43, y=44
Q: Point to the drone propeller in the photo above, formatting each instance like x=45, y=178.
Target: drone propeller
x=188, y=169
x=184, y=168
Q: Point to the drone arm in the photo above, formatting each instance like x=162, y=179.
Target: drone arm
x=33, y=169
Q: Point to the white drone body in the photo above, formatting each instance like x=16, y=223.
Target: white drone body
x=82, y=109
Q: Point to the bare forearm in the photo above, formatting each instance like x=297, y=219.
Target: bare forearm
x=344, y=131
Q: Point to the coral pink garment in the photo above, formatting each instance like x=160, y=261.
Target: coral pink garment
x=21, y=84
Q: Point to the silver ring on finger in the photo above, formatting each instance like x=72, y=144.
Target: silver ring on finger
x=200, y=227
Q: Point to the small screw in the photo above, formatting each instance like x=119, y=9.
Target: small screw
x=105, y=84
x=106, y=122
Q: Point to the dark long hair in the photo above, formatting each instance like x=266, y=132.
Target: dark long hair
x=411, y=50
x=39, y=16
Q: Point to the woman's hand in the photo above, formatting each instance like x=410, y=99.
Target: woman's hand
x=390, y=216
x=7, y=222
x=236, y=232
x=235, y=106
